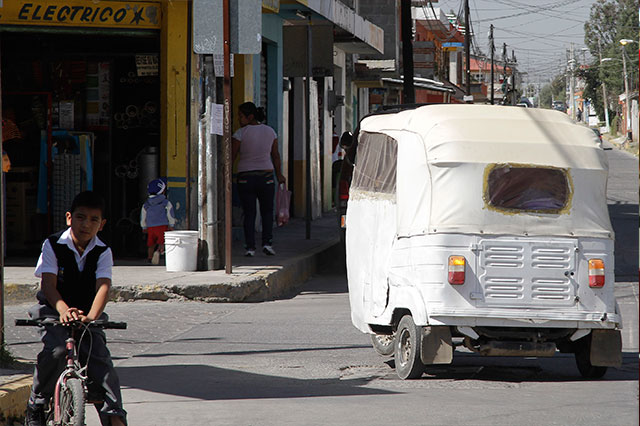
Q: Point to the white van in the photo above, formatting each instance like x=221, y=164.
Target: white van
x=486, y=223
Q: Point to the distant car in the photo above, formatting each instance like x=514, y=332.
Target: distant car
x=559, y=106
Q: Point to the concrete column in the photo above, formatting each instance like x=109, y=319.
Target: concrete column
x=327, y=143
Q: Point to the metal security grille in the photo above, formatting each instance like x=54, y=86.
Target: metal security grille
x=67, y=183
x=263, y=76
x=527, y=272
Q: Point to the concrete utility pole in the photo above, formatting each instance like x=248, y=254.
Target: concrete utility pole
x=467, y=47
x=572, y=100
x=2, y=247
x=604, y=93
x=624, y=42
x=227, y=137
x=493, y=49
x=409, y=94
x=307, y=216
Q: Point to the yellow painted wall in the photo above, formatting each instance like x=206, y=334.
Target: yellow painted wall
x=242, y=85
x=174, y=86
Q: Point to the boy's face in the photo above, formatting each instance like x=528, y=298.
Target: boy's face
x=85, y=222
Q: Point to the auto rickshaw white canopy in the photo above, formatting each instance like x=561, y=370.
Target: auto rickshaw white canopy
x=444, y=152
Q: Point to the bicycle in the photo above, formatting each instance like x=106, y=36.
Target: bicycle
x=66, y=408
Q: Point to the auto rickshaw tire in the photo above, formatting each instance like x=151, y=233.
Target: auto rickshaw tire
x=583, y=361
x=408, y=343
x=383, y=344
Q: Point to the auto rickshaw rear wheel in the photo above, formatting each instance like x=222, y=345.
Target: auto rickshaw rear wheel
x=583, y=361
x=408, y=343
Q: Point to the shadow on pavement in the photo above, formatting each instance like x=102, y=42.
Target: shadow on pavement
x=559, y=368
x=256, y=352
x=212, y=383
x=624, y=218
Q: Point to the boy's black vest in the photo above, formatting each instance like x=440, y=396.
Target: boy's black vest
x=78, y=289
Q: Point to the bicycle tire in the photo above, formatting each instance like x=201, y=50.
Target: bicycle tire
x=72, y=403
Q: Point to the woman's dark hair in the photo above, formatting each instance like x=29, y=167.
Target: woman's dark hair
x=88, y=199
x=249, y=108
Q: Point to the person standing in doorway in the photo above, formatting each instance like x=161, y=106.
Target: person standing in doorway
x=156, y=217
x=256, y=147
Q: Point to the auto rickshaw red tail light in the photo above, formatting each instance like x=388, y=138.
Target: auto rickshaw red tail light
x=456, y=270
x=596, y=273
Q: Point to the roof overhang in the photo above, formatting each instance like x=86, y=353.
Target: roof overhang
x=353, y=33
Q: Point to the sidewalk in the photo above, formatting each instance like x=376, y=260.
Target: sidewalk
x=252, y=280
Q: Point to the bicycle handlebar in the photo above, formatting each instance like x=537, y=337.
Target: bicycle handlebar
x=50, y=321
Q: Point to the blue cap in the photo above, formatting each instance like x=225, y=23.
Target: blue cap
x=156, y=186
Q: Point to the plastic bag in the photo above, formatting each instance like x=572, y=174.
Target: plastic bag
x=283, y=198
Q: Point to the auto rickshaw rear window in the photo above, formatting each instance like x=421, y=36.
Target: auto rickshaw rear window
x=524, y=188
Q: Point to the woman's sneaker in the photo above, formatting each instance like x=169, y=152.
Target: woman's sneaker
x=249, y=253
x=268, y=250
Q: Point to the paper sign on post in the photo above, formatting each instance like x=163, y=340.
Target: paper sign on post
x=217, y=117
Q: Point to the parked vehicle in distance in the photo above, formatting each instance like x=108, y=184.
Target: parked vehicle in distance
x=478, y=223
x=559, y=106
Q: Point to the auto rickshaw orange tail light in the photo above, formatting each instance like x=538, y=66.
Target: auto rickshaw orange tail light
x=596, y=273
x=456, y=270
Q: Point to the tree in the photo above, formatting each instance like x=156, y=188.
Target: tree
x=609, y=22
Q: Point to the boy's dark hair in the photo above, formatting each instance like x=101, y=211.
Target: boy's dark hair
x=88, y=199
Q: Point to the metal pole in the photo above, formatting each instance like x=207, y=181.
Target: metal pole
x=627, y=118
x=307, y=216
x=493, y=48
x=409, y=94
x=467, y=47
x=226, y=139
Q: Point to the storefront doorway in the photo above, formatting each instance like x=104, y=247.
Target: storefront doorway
x=80, y=111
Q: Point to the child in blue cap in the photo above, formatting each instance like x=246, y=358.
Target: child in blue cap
x=156, y=217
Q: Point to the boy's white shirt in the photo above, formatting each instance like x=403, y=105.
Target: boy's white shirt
x=48, y=262
x=168, y=207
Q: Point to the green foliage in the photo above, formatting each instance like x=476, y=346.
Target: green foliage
x=615, y=125
x=609, y=22
x=6, y=359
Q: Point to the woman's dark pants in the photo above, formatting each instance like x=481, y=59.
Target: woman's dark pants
x=260, y=186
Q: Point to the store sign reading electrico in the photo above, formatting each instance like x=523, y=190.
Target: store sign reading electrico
x=82, y=13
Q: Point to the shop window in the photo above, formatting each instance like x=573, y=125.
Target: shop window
x=525, y=188
x=375, y=168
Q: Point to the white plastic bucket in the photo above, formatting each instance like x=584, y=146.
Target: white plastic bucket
x=181, y=250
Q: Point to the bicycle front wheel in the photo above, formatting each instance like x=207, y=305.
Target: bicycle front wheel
x=72, y=403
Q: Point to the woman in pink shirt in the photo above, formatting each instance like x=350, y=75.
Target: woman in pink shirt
x=256, y=147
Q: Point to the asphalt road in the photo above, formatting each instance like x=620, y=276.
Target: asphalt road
x=301, y=362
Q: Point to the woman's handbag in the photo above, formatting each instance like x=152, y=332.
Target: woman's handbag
x=283, y=198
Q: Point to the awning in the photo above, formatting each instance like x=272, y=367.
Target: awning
x=353, y=34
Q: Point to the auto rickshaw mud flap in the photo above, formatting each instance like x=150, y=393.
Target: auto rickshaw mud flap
x=437, y=347
x=606, y=348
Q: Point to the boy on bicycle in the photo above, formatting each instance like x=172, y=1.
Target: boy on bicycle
x=75, y=271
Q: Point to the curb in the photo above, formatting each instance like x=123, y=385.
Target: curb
x=260, y=286
x=13, y=397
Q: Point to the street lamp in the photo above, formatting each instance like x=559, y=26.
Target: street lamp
x=623, y=43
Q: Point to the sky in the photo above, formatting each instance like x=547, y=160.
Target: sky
x=538, y=31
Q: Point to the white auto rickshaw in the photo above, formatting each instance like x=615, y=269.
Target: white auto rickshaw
x=487, y=225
